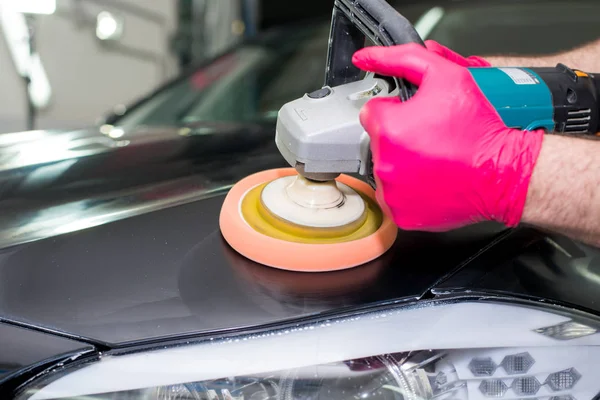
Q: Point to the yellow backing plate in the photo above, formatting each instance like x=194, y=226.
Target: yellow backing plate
x=263, y=221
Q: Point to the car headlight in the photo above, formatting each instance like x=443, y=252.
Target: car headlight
x=436, y=350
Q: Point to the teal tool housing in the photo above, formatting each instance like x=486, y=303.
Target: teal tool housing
x=520, y=96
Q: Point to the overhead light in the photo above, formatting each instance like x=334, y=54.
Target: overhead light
x=30, y=6
x=14, y=27
x=39, y=89
x=108, y=26
x=27, y=63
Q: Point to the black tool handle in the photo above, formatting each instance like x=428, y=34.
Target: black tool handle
x=575, y=98
x=354, y=21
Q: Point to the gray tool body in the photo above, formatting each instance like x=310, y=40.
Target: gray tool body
x=320, y=133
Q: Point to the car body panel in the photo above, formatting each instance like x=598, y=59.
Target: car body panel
x=170, y=272
x=534, y=264
x=115, y=238
x=96, y=179
x=24, y=349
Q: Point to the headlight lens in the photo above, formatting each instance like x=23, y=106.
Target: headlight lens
x=448, y=352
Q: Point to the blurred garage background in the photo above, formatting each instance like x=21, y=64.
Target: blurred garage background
x=65, y=63
x=69, y=63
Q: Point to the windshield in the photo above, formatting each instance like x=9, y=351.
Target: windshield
x=248, y=84
x=252, y=82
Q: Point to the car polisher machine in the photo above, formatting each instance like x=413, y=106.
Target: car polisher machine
x=314, y=217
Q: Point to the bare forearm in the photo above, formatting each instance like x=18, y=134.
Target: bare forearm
x=585, y=58
x=564, y=192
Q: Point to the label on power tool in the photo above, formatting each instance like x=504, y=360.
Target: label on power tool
x=520, y=76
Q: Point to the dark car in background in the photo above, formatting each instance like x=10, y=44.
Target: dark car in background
x=115, y=282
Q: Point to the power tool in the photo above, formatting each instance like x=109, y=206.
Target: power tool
x=320, y=134
x=314, y=216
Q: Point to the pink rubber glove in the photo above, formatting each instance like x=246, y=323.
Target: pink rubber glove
x=443, y=159
x=472, y=61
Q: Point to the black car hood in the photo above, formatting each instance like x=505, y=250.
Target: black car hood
x=140, y=262
x=170, y=272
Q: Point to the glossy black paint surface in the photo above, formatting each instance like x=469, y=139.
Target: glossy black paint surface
x=537, y=265
x=170, y=272
x=95, y=179
x=22, y=348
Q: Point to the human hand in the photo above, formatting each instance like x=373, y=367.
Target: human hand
x=472, y=61
x=444, y=158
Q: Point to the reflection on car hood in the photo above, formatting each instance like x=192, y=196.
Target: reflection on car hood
x=52, y=182
x=124, y=246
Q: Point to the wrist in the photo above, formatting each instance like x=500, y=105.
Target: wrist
x=516, y=161
x=517, y=61
x=564, y=193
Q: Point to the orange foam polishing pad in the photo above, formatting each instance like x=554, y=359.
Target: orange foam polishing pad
x=302, y=255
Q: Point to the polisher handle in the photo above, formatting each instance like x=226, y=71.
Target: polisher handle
x=354, y=21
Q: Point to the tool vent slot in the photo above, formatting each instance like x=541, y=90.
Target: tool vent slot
x=578, y=121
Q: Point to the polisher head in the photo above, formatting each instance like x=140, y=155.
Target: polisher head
x=295, y=204
x=280, y=219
